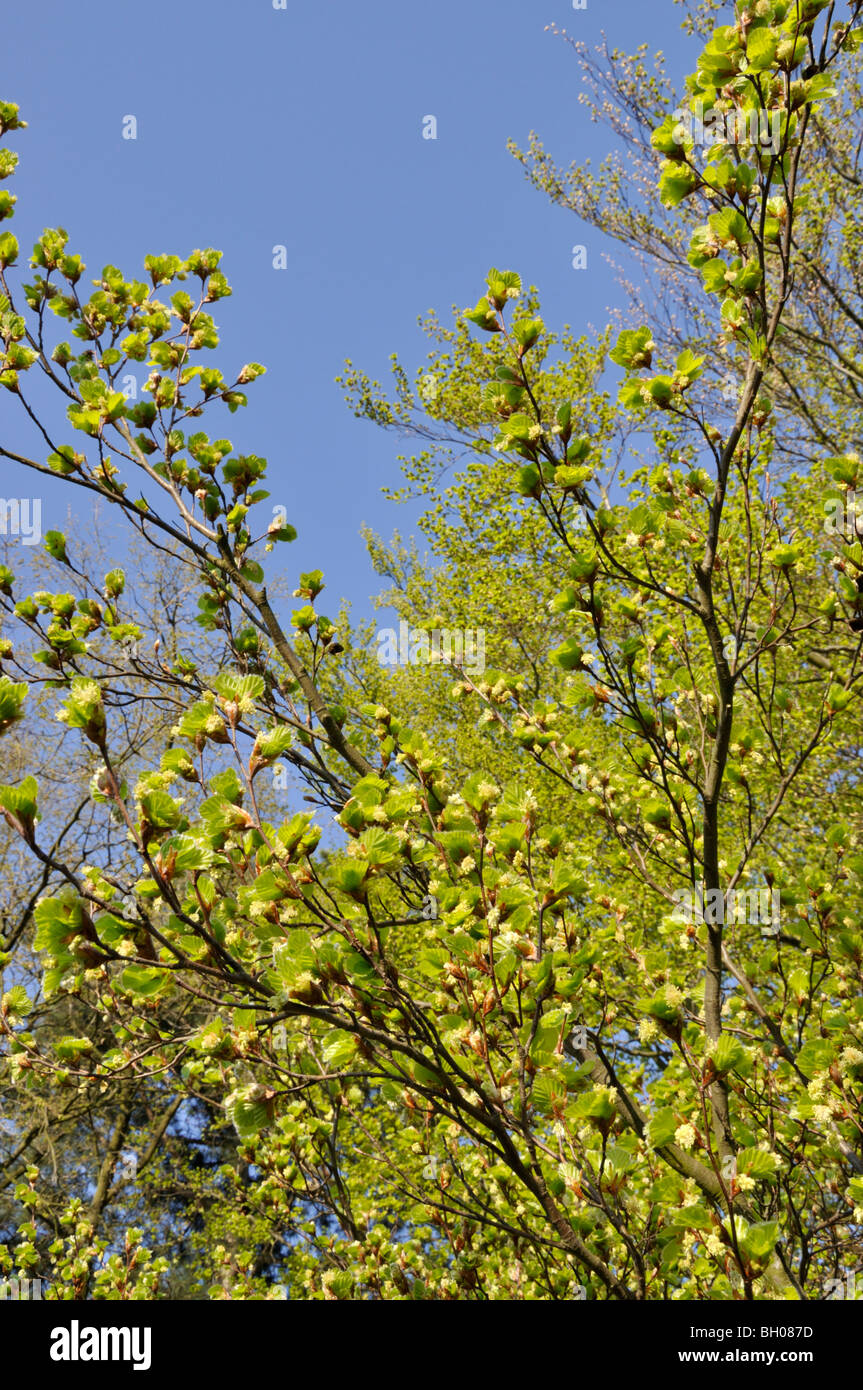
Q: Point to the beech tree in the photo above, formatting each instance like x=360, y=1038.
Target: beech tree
x=488, y=1045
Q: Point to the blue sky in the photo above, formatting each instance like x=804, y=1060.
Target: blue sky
x=303, y=127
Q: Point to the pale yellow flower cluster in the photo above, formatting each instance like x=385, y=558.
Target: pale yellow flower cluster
x=685, y=1136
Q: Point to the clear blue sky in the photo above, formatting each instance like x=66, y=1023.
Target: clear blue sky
x=303, y=127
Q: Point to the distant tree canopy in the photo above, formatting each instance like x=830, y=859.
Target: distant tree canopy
x=568, y=1005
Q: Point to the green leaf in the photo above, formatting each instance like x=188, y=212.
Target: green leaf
x=661, y=1128
x=694, y=1218
x=528, y=480
x=568, y=656
x=21, y=800
x=784, y=557
x=838, y=699
x=248, y=1110
x=55, y=544
x=339, y=1050
x=663, y=1007
x=727, y=1054
x=572, y=477
x=16, y=1002
x=757, y=1163
x=526, y=333
x=633, y=349
x=688, y=365
x=84, y=710
x=676, y=182
x=844, y=468
x=349, y=878
x=759, y=1240
x=161, y=810
x=667, y=138
x=272, y=743
x=142, y=980
x=484, y=316
x=71, y=1049
x=730, y=227
x=240, y=690
x=761, y=46
x=8, y=249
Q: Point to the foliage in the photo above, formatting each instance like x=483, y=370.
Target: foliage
x=478, y=1048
